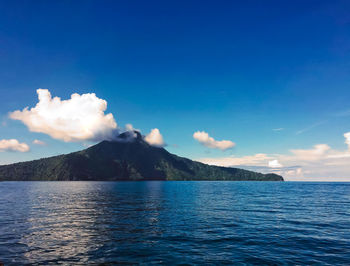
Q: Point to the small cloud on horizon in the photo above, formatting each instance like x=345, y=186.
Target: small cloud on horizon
x=39, y=142
x=13, y=145
x=274, y=164
x=347, y=139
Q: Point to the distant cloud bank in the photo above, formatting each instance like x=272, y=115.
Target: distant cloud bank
x=320, y=161
x=204, y=138
x=13, y=145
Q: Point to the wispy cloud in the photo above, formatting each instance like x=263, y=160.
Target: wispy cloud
x=342, y=113
x=278, y=129
x=260, y=159
x=311, y=127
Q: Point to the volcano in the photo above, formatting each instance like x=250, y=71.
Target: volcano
x=128, y=158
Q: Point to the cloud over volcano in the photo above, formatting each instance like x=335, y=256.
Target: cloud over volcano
x=82, y=117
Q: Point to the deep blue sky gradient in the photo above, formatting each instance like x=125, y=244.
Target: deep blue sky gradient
x=236, y=69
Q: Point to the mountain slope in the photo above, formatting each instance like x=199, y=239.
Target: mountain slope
x=124, y=160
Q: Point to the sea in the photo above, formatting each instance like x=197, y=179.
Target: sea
x=174, y=223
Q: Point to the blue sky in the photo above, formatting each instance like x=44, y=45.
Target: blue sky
x=234, y=69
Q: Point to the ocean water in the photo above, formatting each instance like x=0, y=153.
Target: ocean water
x=174, y=223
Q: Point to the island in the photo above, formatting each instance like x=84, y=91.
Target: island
x=124, y=159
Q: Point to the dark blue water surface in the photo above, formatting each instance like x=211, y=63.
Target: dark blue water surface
x=174, y=222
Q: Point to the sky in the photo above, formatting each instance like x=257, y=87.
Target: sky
x=261, y=85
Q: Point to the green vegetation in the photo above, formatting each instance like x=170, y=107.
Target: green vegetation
x=122, y=160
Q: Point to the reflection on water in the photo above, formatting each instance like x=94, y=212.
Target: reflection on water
x=168, y=222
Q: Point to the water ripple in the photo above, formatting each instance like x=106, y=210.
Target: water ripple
x=79, y=223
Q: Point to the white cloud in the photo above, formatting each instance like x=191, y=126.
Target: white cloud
x=204, y=138
x=154, y=138
x=274, y=164
x=13, y=145
x=79, y=118
x=278, y=129
x=39, y=142
x=317, y=152
x=320, y=162
x=129, y=127
x=347, y=139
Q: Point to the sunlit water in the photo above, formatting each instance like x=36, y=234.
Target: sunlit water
x=174, y=222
